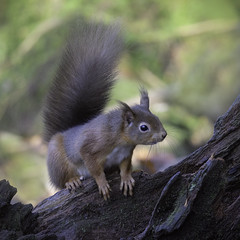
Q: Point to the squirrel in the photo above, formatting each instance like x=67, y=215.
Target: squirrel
x=80, y=136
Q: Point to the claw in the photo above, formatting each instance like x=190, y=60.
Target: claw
x=127, y=185
x=104, y=190
x=73, y=184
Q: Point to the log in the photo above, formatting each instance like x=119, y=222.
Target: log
x=199, y=198
x=16, y=220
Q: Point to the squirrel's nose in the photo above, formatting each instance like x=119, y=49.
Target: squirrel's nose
x=164, y=134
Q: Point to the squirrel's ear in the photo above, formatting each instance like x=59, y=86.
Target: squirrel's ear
x=144, y=101
x=128, y=114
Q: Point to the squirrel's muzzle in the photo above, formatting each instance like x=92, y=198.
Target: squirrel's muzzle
x=159, y=137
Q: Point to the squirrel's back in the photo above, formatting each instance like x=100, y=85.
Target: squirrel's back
x=84, y=78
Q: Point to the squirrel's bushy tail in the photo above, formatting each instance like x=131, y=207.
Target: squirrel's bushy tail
x=84, y=78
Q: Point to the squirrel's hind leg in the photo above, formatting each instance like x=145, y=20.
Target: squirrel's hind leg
x=61, y=171
x=73, y=183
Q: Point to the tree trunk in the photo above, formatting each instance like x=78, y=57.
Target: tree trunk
x=195, y=199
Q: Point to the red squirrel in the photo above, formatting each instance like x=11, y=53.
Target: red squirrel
x=80, y=136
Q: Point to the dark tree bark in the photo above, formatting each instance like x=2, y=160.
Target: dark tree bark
x=199, y=198
x=16, y=219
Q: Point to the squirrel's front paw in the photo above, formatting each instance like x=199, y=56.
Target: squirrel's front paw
x=103, y=186
x=73, y=184
x=127, y=183
x=104, y=189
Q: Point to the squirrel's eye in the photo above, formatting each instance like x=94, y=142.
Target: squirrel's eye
x=143, y=127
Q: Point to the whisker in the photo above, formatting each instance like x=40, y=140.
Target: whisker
x=155, y=149
x=172, y=145
x=148, y=159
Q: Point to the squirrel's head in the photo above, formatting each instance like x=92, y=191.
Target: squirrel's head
x=140, y=125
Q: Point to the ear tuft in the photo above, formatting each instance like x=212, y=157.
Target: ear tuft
x=144, y=101
x=128, y=114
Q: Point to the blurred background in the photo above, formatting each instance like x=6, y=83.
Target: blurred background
x=185, y=52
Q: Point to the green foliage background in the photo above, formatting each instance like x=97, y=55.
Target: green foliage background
x=186, y=52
